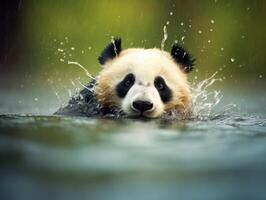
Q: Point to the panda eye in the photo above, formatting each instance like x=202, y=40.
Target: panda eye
x=124, y=86
x=159, y=83
x=159, y=86
x=164, y=91
x=128, y=83
x=129, y=80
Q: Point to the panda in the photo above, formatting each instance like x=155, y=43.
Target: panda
x=136, y=82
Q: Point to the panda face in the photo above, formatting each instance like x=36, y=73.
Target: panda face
x=143, y=82
x=143, y=96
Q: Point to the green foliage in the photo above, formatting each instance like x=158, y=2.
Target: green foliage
x=226, y=36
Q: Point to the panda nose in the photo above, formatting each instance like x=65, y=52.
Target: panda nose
x=142, y=106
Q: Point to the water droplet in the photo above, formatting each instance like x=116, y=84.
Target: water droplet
x=82, y=52
x=35, y=99
x=222, y=49
x=61, y=43
x=82, y=67
x=232, y=59
x=165, y=36
x=200, y=31
x=211, y=30
x=260, y=76
x=212, y=21
x=171, y=13
x=182, y=38
x=72, y=48
x=209, y=41
x=167, y=23
x=60, y=50
x=62, y=60
x=89, y=48
x=243, y=37
x=182, y=23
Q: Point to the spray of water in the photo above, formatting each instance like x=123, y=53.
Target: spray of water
x=84, y=86
x=204, y=102
x=113, y=42
x=165, y=36
x=82, y=67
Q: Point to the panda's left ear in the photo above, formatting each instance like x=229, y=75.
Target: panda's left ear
x=111, y=51
x=182, y=57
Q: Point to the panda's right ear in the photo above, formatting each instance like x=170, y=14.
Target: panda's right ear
x=111, y=51
x=182, y=57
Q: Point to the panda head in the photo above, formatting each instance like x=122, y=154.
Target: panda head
x=144, y=82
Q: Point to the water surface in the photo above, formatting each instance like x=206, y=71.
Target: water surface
x=68, y=157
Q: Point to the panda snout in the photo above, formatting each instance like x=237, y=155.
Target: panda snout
x=142, y=106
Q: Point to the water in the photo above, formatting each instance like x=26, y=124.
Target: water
x=64, y=158
x=219, y=156
x=165, y=36
x=82, y=67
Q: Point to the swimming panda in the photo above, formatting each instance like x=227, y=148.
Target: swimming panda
x=136, y=82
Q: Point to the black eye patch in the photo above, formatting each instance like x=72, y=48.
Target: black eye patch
x=164, y=91
x=123, y=87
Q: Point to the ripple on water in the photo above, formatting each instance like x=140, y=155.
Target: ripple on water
x=85, y=151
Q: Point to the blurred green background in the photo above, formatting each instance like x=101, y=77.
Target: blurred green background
x=40, y=37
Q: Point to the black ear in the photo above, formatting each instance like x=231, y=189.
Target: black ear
x=110, y=51
x=181, y=56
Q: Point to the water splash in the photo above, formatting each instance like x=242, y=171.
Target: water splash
x=84, y=86
x=165, y=36
x=204, y=103
x=113, y=42
x=82, y=67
